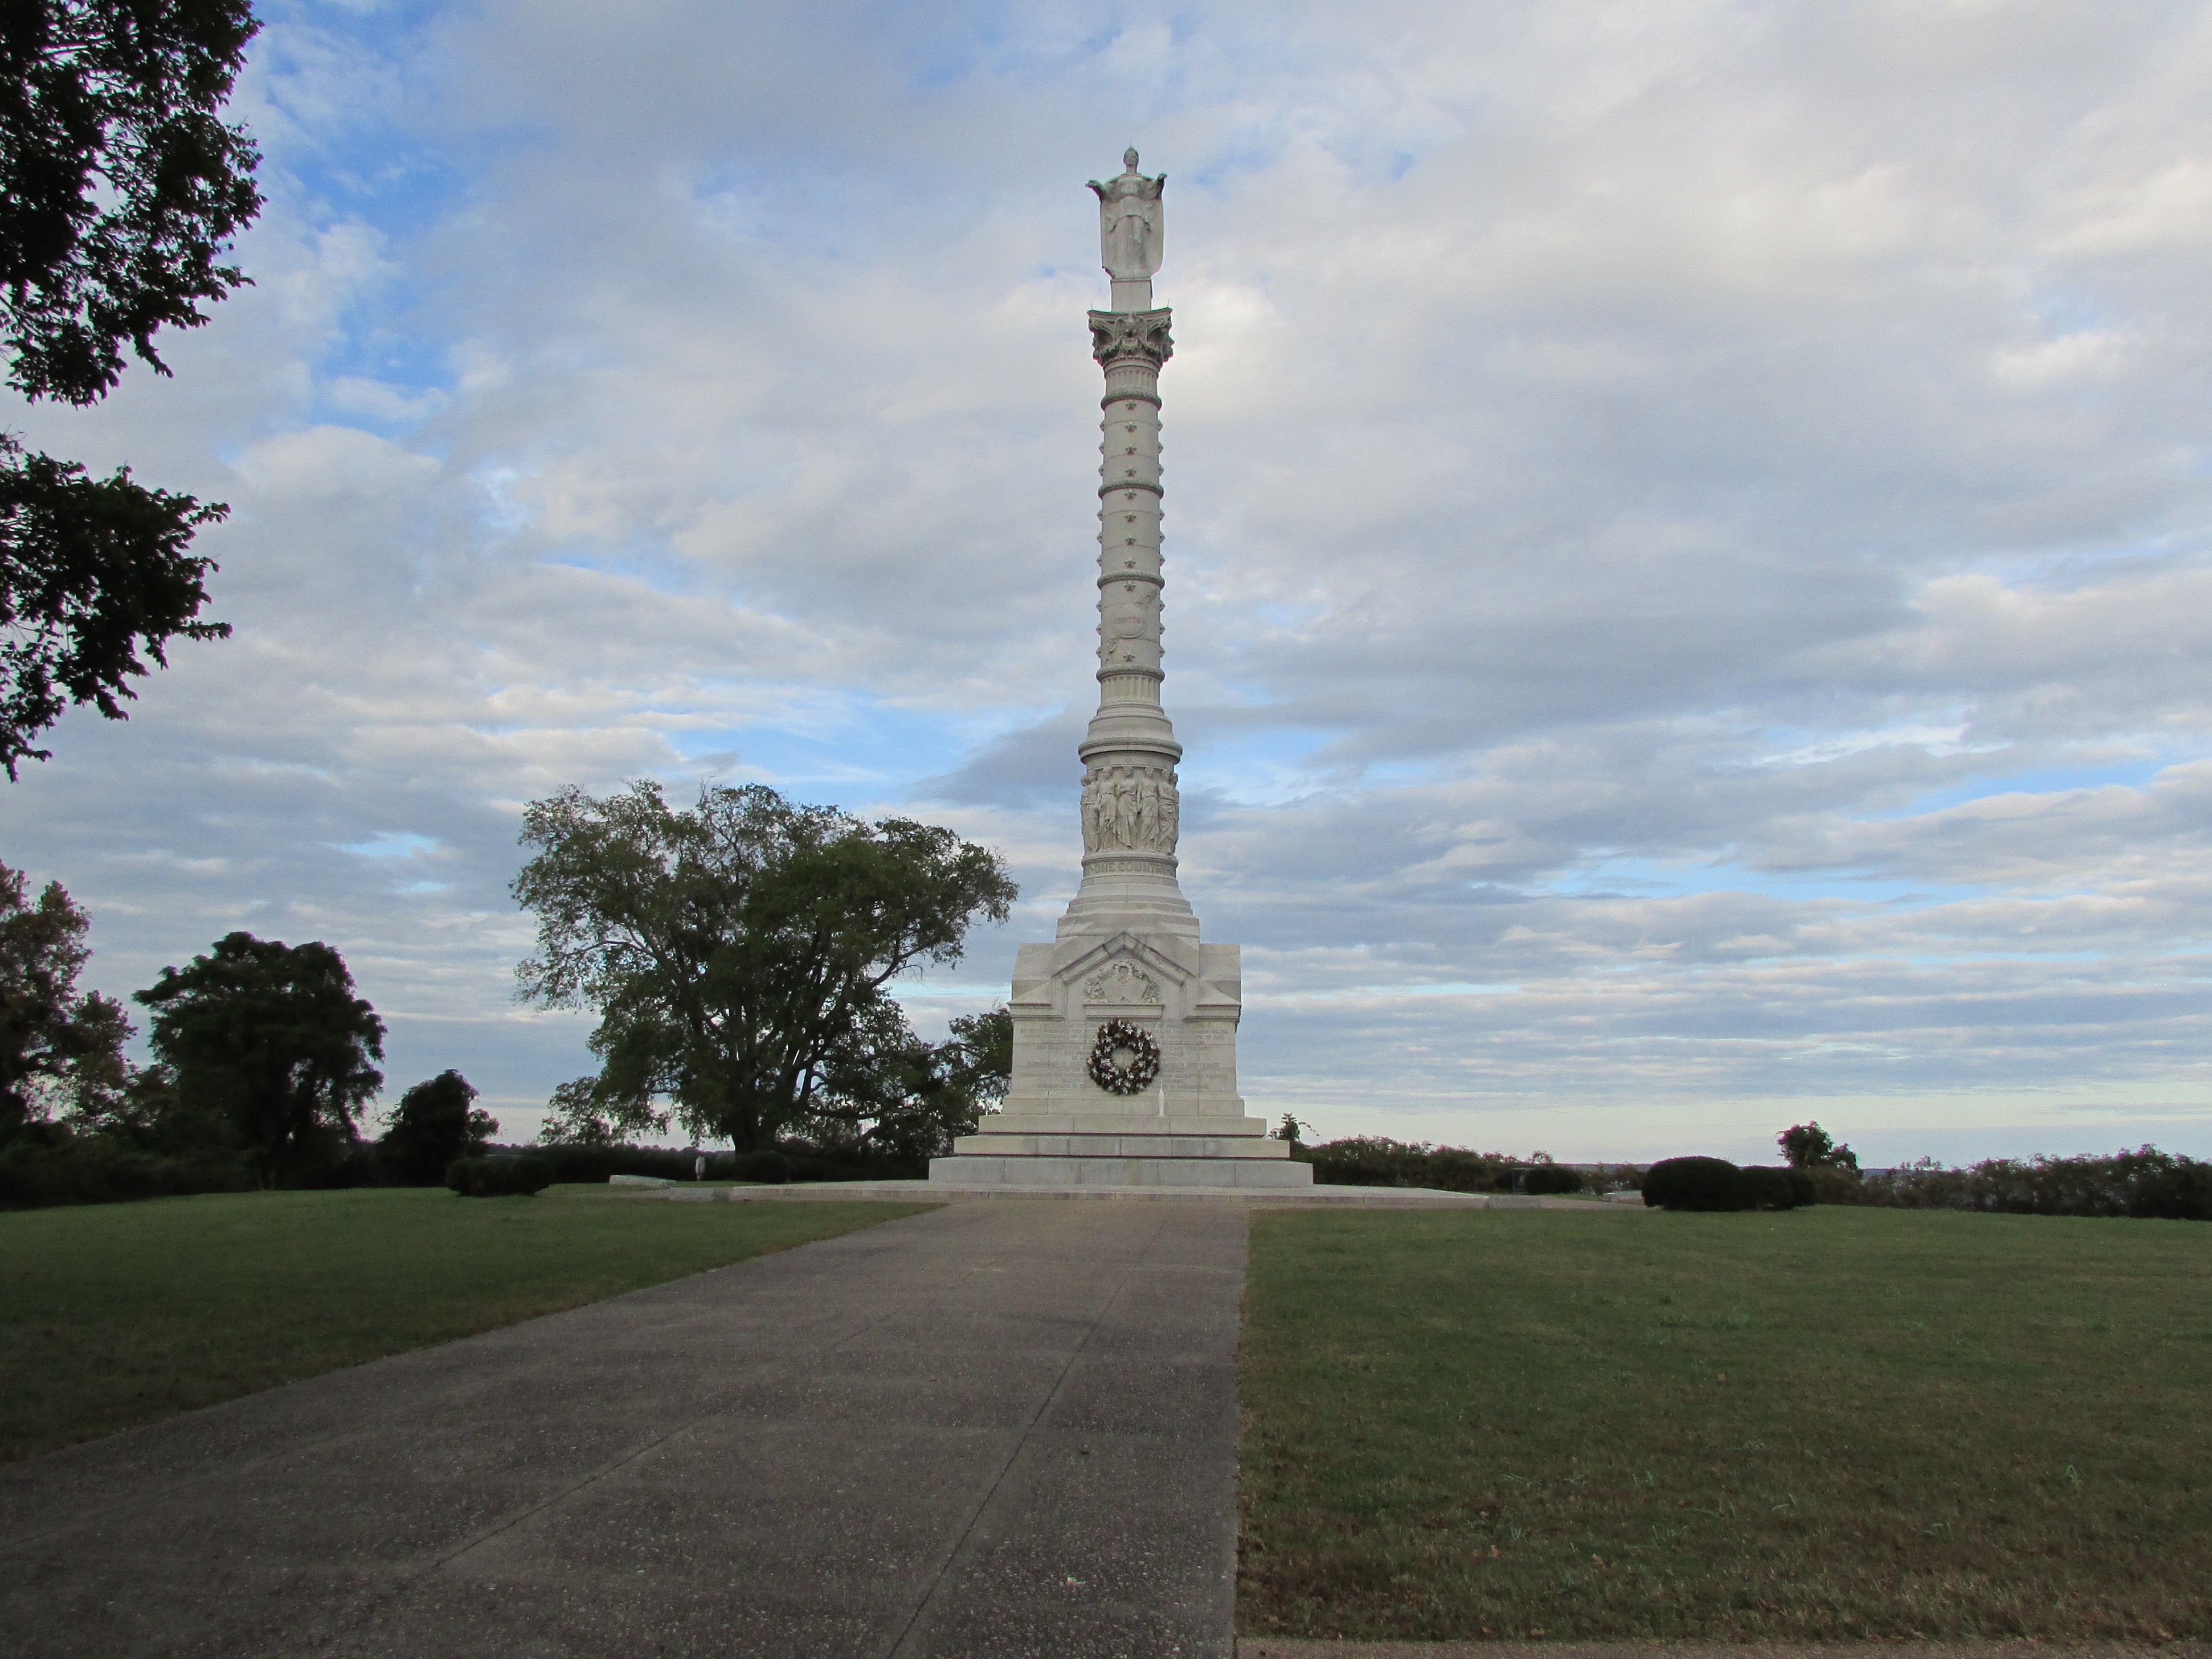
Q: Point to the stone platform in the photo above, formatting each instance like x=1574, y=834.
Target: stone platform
x=1121, y=1149
x=1315, y=1196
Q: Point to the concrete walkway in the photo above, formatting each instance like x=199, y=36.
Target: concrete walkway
x=996, y=1428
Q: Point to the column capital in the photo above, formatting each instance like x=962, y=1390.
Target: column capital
x=1132, y=336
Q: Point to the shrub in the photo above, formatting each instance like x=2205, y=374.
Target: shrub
x=1768, y=1188
x=1804, y=1188
x=770, y=1167
x=502, y=1175
x=1695, y=1183
x=1551, y=1178
x=1832, y=1185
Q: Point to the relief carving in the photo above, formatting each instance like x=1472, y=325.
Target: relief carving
x=1130, y=809
x=1122, y=981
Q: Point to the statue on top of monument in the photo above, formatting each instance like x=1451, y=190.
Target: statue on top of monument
x=1130, y=226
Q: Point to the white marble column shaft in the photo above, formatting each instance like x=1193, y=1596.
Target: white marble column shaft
x=1130, y=809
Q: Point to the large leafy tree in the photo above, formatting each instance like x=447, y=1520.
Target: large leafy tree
x=739, y=953
x=59, y=1049
x=271, y=1037
x=120, y=190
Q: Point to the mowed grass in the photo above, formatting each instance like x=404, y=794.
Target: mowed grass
x=116, y=1315
x=1820, y=1425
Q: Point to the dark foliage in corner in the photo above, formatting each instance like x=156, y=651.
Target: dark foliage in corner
x=120, y=190
x=60, y=1047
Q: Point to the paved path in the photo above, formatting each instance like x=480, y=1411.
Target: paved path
x=993, y=1429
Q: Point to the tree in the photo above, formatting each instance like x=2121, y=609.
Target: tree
x=913, y=1099
x=271, y=1037
x=1808, y=1146
x=120, y=190
x=58, y=1049
x=433, y=1124
x=738, y=954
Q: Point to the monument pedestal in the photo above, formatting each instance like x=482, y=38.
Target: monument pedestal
x=1125, y=1027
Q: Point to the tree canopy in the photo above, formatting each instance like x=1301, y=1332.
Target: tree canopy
x=58, y=1049
x=739, y=955
x=435, y=1123
x=120, y=190
x=271, y=1036
x=1808, y=1146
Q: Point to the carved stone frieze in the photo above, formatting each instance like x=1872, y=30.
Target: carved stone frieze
x=1126, y=336
x=1122, y=981
x=1130, y=809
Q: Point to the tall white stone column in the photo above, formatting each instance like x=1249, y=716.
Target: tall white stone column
x=1125, y=1026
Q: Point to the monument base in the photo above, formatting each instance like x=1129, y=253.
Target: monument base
x=1010, y=1173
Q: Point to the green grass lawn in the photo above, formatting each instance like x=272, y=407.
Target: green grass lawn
x=1830, y=1423
x=115, y=1315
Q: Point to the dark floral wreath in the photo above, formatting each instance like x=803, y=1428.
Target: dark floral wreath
x=1143, y=1068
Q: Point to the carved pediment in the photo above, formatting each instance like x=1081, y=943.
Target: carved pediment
x=1120, y=981
x=1124, y=969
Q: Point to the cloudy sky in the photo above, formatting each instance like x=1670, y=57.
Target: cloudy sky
x=1689, y=527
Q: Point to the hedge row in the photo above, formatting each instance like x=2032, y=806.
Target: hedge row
x=35, y=1174
x=792, y=1161
x=2145, y=1183
x=1379, y=1161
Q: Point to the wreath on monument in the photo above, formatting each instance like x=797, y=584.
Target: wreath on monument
x=1124, y=1059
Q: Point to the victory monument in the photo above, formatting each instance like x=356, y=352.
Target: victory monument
x=1125, y=1026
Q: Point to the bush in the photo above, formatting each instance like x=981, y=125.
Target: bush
x=503, y=1176
x=770, y=1167
x=1804, y=1188
x=1768, y=1188
x=1832, y=1185
x=1550, y=1178
x=1695, y=1183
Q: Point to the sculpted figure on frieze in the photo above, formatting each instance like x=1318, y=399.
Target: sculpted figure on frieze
x=1129, y=809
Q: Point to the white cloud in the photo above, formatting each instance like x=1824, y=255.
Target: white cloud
x=1687, y=525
